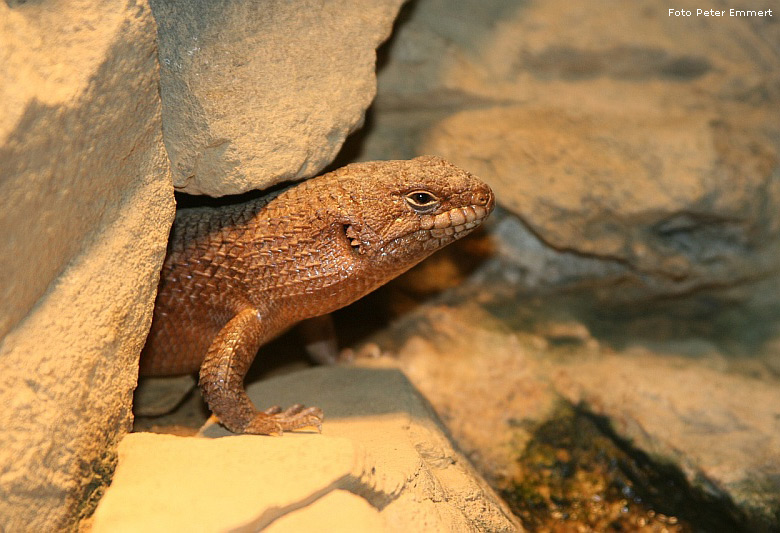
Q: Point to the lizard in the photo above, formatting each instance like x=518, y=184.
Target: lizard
x=236, y=276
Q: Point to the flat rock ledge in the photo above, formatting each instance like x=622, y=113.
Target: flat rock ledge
x=382, y=463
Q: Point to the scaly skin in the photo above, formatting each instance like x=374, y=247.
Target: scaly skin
x=236, y=276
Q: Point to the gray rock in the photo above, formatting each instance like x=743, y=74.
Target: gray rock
x=156, y=396
x=87, y=205
x=258, y=93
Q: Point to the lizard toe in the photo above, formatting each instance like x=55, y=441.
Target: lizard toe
x=300, y=417
x=273, y=410
x=263, y=424
x=275, y=421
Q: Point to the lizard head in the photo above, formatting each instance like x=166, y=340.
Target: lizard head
x=407, y=210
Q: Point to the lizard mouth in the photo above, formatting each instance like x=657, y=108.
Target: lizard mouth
x=456, y=222
x=436, y=231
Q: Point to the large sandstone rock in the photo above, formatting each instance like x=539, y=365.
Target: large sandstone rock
x=681, y=200
x=87, y=203
x=259, y=93
x=382, y=463
x=619, y=134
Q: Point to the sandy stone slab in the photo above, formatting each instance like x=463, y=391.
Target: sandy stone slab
x=382, y=463
x=330, y=514
x=167, y=483
x=412, y=472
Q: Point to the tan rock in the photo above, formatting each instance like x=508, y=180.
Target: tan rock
x=232, y=482
x=337, y=511
x=87, y=206
x=510, y=52
x=258, y=94
x=482, y=379
x=382, y=463
x=662, y=193
x=639, y=150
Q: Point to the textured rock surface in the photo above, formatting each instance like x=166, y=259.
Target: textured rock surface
x=721, y=429
x=87, y=203
x=645, y=142
x=716, y=422
x=255, y=94
x=382, y=463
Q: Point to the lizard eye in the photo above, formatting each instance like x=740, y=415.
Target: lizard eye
x=422, y=201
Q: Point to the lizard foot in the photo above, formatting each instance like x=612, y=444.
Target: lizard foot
x=275, y=421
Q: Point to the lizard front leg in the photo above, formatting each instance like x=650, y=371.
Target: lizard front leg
x=222, y=382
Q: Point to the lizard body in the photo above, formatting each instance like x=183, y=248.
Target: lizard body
x=238, y=275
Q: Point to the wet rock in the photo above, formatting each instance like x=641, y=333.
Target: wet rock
x=575, y=475
x=720, y=429
x=87, y=205
x=256, y=94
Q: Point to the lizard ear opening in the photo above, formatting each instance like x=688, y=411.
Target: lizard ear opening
x=353, y=239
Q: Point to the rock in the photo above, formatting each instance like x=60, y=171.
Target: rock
x=332, y=512
x=541, y=51
x=155, y=396
x=254, y=95
x=639, y=191
x=382, y=463
x=528, y=262
x=232, y=482
x=495, y=371
x=87, y=204
x=647, y=143
x=480, y=378
x=720, y=429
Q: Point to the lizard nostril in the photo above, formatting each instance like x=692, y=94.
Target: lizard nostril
x=481, y=198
